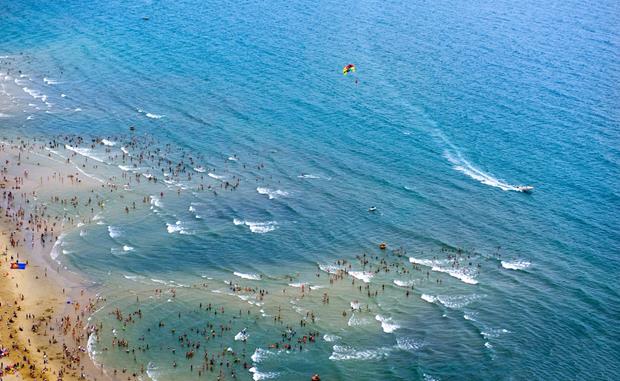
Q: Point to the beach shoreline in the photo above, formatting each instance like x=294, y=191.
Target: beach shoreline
x=44, y=308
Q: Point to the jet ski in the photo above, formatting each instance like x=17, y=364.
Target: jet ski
x=372, y=209
x=525, y=188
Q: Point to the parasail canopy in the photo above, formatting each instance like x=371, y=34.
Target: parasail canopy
x=348, y=69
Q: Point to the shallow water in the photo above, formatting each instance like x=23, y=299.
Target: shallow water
x=455, y=106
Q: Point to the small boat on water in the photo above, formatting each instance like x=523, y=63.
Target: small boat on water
x=525, y=188
x=372, y=209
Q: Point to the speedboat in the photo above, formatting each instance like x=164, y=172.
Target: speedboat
x=525, y=188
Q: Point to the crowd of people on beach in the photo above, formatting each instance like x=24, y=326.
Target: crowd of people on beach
x=35, y=205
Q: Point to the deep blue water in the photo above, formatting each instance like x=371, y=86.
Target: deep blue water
x=455, y=104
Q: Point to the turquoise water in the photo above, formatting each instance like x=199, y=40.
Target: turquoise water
x=452, y=106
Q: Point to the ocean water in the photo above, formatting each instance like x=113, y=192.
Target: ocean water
x=452, y=107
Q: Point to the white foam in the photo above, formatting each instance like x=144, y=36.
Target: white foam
x=117, y=251
x=272, y=193
x=90, y=345
x=200, y=169
x=463, y=274
x=247, y=276
x=134, y=278
x=403, y=283
x=355, y=321
x=125, y=151
x=330, y=269
x=452, y=301
x=257, y=376
x=151, y=371
x=387, y=324
x=217, y=177
x=427, y=262
x=260, y=354
x=457, y=301
x=516, y=265
x=150, y=115
x=232, y=158
x=297, y=285
x=155, y=201
x=428, y=377
x=55, y=252
x=330, y=338
x=87, y=152
x=408, y=344
x=177, y=227
x=470, y=315
x=364, y=276
x=50, y=81
x=241, y=336
x=493, y=332
x=128, y=248
x=257, y=227
x=342, y=353
x=193, y=210
x=114, y=231
x=125, y=168
x=310, y=176
x=35, y=94
x=108, y=143
x=89, y=175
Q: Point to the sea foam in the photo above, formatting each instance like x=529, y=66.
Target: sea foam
x=387, y=324
x=343, y=353
x=271, y=193
x=516, y=265
x=247, y=276
x=364, y=276
x=257, y=227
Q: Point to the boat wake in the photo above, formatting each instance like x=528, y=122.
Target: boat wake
x=462, y=165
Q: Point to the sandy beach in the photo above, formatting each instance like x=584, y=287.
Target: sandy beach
x=43, y=309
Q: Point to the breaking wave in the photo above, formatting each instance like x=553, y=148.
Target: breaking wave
x=272, y=193
x=257, y=227
x=515, y=265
